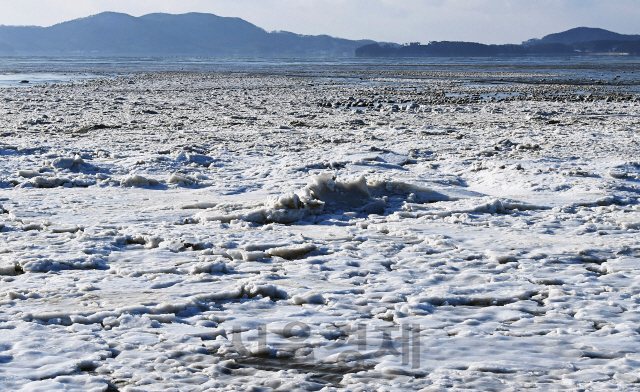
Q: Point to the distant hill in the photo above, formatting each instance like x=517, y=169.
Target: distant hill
x=574, y=42
x=111, y=33
x=582, y=34
x=463, y=49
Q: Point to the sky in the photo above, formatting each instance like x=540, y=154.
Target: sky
x=400, y=21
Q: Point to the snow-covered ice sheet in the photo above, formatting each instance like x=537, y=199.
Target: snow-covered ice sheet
x=191, y=232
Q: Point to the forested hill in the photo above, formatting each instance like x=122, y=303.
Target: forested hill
x=589, y=41
x=583, y=34
x=111, y=33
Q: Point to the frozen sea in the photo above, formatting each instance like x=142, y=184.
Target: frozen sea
x=204, y=224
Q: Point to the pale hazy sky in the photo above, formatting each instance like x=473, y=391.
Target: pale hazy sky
x=486, y=21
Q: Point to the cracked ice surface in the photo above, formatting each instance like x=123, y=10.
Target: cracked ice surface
x=188, y=231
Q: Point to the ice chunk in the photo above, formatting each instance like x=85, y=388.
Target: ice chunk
x=84, y=181
x=31, y=226
x=200, y=159
x=180, y=179
x=255, y=255
x=64, y=229
x=45, y=264
x=128, y=321
x=350, y=193
x=353, y=195
x=364, y=196
x=291, y=252
x=28, y=173
x=200, y=205
x=312, y=297
x=49, y=182
x=289, y=200
x=282, y=209
x=209, y=267
x=9, y=267
x=63, y=162
x=266, y=290
x=137, y=181
x=151, y=241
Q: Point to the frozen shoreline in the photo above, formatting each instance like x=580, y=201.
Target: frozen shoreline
x=147, y=218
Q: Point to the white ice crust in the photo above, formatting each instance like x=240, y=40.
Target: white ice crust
x=137, y=254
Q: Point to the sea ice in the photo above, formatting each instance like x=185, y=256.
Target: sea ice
x=320, y=231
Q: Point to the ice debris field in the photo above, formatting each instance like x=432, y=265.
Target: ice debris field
x=381, y=230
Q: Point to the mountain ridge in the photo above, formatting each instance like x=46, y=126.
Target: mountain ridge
x=194, y=33
x=112, y=33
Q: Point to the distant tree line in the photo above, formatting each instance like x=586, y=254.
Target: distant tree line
x=472, y=49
